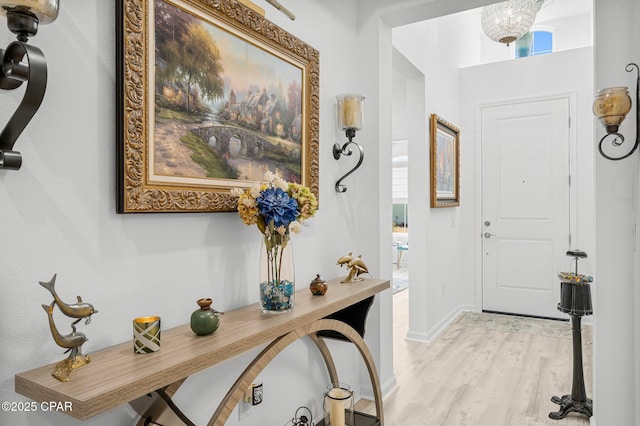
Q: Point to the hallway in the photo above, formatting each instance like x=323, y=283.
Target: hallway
x=477, y=376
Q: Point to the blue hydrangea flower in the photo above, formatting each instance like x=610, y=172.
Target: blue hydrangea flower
x=275, y=205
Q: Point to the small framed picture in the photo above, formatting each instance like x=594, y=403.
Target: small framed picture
x=445, y=163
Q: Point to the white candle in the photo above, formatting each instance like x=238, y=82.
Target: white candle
x=336, y=406
x=350, y=111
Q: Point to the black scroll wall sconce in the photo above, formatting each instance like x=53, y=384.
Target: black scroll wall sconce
x=349, y=109
x=23, y=62
x=611, y=106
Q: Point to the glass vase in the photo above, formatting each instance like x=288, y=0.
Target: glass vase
x=277, y=274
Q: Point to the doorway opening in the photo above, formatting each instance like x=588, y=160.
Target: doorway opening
x=400, y=219
x=462, y=70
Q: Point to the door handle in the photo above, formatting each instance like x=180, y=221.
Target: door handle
x=489, y=235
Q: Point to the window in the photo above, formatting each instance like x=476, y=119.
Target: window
x=401, y=218
x=400, y=186
x=400, y=199
x=534, y=43
x=542, y=42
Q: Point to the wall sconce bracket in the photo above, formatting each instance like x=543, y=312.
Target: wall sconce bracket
x=13, y=72
x=22, y=23
x=339, y=151
x=617, y=139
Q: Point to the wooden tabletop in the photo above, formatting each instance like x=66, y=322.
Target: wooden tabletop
x=116, y=375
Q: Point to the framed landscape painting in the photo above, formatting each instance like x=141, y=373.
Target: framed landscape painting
x=445, y=163
x=210, y=97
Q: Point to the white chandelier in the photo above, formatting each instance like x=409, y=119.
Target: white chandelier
x=508, y=21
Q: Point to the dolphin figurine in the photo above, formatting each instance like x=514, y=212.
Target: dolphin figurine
x=355, y=265
x=70, y=341
x=344, y=259
x=358, y=264
x=77, y=310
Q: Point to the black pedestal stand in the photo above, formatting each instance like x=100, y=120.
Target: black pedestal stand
x=577, y=401
x=575, y=301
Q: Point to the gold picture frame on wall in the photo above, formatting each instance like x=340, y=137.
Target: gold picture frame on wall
x=210, y=95
x=445, y=163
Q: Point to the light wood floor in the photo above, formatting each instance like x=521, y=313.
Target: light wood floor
x=475, y=377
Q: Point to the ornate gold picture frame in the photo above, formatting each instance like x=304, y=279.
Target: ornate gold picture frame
x=445, y=163
x=210, y=95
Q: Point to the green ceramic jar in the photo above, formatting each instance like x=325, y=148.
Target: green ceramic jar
x=205, y=320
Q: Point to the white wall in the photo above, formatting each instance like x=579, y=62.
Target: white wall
x=399, y=107
x=617, y=297
x=437, y=285
x=59, y=216
x=374, y=196
x=568, y=33
x=430, y=47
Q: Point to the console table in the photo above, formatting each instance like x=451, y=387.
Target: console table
x=117, y=376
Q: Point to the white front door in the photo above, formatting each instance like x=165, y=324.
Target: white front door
x=525, y=205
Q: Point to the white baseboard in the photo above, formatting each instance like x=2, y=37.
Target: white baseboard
x=387, y=389
x=440, y=325
x=418, y=337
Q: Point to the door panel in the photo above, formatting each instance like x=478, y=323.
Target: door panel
x=525, y=201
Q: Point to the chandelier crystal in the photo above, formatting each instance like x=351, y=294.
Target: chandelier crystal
x=508, y=21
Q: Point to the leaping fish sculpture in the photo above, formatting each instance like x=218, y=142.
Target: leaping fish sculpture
x=72, y=342
x=343, y=260
x=355, y=265
x=78, y=310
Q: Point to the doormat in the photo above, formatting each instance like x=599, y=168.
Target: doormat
x=399, y=284
x=516, y=324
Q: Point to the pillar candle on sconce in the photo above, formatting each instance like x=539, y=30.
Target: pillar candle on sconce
x=22, y=62
x=349, y=119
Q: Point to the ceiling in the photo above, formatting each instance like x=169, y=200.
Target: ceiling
x=555, y=9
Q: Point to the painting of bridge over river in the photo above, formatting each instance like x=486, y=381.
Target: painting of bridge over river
x=225, y=108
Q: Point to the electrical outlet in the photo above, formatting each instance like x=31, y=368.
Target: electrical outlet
x=252, y=397
x=244, y=409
